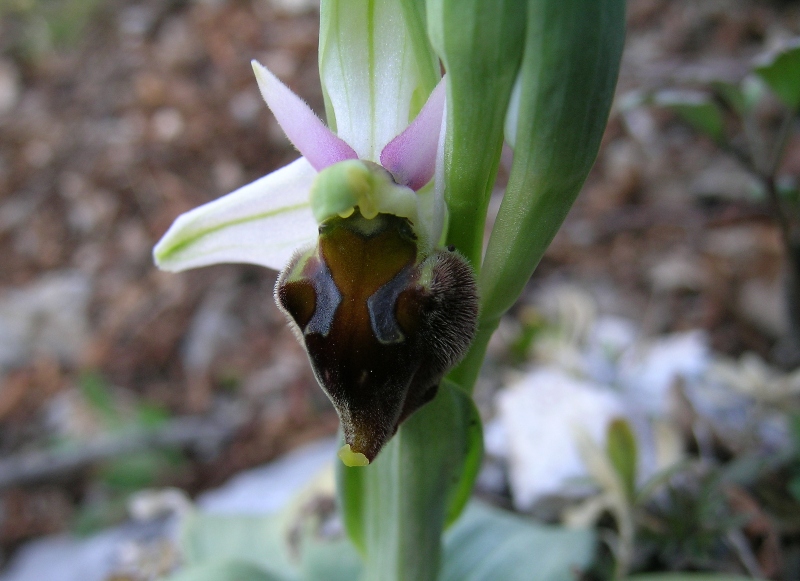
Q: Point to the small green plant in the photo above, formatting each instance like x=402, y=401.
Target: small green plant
x=117, y=478
x=33, y=27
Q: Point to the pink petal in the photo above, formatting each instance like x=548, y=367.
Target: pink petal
x=318, y=144
x=411, y=156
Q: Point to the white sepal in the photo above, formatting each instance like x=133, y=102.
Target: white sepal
x=261, y=223
x=369, y=72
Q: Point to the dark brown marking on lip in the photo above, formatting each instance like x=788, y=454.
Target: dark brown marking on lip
x=327, y=301
x=379, y=339
x=382, y=306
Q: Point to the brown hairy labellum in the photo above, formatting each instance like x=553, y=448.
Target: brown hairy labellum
x=381, y=324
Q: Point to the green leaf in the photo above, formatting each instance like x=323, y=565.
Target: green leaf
x=568, y=75
x=781, y=71
x=488, y=544
x=687, y=577
x=697, y=109
x=621, y=450
x=258, y=540
x=288, y=546
x=396, y=508
x=98, y=393
x=136, y=470
x=732, y=95
x=480, y=43
x=223, y=571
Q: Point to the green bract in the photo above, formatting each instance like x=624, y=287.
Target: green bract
x=480, y=43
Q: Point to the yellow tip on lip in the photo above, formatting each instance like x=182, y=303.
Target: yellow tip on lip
x=350, y=458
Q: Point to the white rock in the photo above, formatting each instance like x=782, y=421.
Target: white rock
x=268, y=488
x=495, y=439
x=607, y=341
x=261, y=490
x=647, y=372
x=68, y=558
x=9, y=86
x=48, y=317
x=295, y=7
x=541, y=415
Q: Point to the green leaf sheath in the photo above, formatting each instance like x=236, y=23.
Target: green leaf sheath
x=396, y=508
x=568, y=74
x=480, y=43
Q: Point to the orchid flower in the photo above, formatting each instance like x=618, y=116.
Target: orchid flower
x=355, y=224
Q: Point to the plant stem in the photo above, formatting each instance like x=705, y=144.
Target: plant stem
x=771, y=188
x=768, y=178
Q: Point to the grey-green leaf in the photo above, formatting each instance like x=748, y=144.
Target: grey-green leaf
x=781, y=71
x=283, y=546
x=258, y=540
x=224, y=571
x=488, y=544
x=687, y=577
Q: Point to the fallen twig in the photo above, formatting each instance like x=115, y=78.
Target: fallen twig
x=206, y=435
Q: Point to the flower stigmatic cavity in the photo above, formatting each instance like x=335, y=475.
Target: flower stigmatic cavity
x=381, y=322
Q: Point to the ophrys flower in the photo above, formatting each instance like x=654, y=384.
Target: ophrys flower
x=382, y=310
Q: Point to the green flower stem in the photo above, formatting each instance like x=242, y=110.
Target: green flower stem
x=396, y=508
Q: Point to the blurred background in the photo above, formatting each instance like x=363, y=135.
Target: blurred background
x=118, y=115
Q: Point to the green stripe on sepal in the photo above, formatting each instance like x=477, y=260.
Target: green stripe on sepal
x=568, y=75
x=480, y=43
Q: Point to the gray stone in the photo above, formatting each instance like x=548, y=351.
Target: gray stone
x=45, y=318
